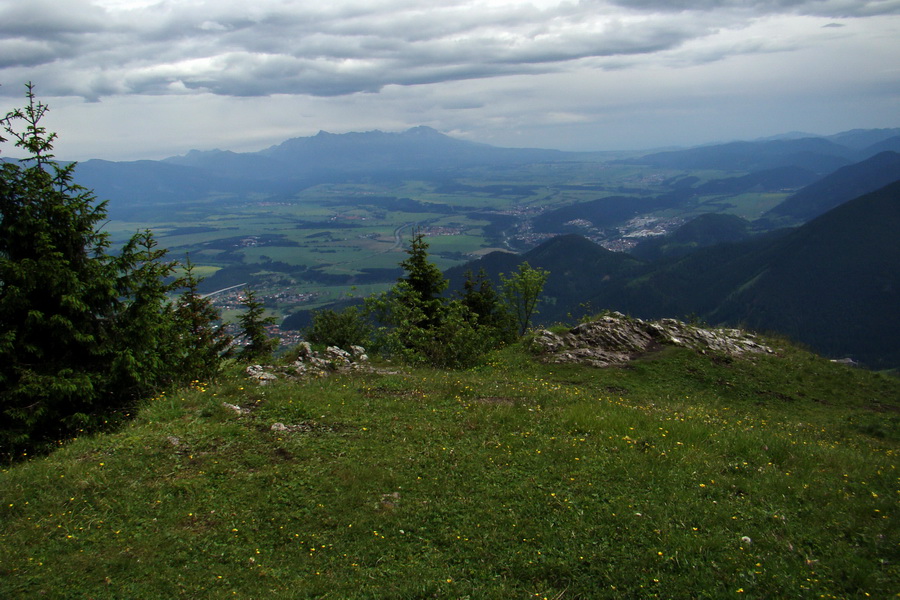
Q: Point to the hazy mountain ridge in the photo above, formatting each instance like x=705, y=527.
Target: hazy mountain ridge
x=818, y=154
x=836, y=188
x=417, y=149
x=299, y=163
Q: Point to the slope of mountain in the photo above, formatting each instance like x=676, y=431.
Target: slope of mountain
x=890, y=144
x=600, y=213
x=833, y=190
x=706, y=230
x=578, y=270
x=832, y=284
x=769, y=180
x=862, y=139
x=818, y=155
x=133, y=187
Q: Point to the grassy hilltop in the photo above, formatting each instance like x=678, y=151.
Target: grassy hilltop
x=678, y=476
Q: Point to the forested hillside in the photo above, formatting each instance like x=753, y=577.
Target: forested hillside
x=832, y=284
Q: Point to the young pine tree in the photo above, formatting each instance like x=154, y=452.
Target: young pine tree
x=203, y=342
x=420, y=325
x=486, y=308
x=425, y=282
x=258, y=345
x=144, y=337
x=83, y=334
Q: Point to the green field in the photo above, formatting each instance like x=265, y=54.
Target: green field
x=679, y=476
x=339, y=235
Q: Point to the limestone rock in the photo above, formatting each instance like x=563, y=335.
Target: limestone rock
x=615, y=339
x=310, y=363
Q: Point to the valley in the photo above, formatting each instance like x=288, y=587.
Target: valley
x=314, y=246
x=702, y=232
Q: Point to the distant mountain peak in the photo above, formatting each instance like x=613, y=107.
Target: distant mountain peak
x=423, y=130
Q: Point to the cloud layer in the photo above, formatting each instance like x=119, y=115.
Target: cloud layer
x=97, y=49
x=547, y=62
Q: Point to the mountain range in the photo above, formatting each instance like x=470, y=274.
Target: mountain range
x=420, y=149
x=821, y=155
x=138, y=186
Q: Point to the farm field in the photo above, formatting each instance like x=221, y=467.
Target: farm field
x=313, y=246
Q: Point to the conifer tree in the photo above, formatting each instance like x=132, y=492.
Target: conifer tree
x=203, y=343
x=486, y=307
x=258, y=345
x=144, y=337
x=83, y=333
x=425, y=281
x=57, y=289
x=422, y=326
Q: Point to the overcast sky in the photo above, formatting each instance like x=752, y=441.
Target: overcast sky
x=128, y=79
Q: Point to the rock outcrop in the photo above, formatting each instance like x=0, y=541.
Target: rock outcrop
x=616, y=339
x=310, y=363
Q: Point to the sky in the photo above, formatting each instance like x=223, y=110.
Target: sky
x=146, y=79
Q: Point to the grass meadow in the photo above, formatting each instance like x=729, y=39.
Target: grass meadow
x=678, y=476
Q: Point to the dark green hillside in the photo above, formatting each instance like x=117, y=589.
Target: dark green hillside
x=578, y=270
x=833, y=190
x=601, y=213
x=833, y=283
x=706, y=230
x=692, y=285
x=770, y=180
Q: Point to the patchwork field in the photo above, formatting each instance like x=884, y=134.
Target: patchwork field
x=322, y=242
